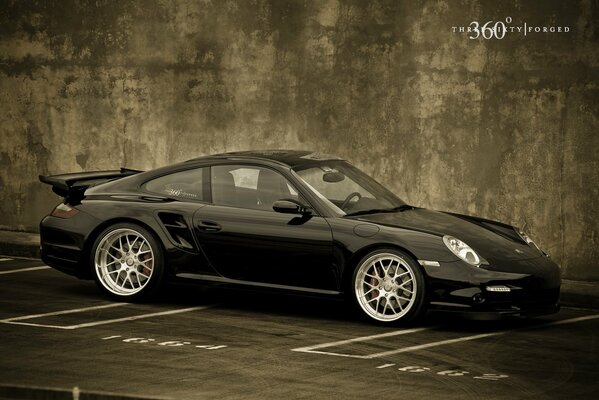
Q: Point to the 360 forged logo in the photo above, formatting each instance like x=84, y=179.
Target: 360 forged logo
x=500, y=29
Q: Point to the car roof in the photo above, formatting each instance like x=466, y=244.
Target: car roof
x=291, y=158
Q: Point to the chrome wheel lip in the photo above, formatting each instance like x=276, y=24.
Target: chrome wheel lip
x=123, y=260
x=387, y=286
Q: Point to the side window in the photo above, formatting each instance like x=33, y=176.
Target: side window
x=185, y=185
x=247, y=186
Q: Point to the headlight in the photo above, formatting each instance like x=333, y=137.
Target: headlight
x=462, y=250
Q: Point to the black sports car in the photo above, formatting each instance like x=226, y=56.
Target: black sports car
x=290, y=220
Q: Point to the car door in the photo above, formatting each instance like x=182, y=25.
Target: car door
x=245, y=239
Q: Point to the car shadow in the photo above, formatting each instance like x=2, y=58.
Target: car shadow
x=324, y=309
x=257, y=301
x=299, y=306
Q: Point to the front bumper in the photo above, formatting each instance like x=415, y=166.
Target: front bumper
x=522, y=288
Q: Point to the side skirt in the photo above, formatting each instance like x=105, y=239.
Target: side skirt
x=222, y=279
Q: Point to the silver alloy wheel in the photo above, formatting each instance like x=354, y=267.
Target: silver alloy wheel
x=124, y=262
x=385, y=287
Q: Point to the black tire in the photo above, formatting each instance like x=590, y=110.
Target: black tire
x=388, y=287
x=127, y=262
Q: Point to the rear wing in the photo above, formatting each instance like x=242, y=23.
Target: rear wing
x=74, y=184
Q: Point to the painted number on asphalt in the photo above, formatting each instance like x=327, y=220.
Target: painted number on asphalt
x=412, y=368
x=137, y=340
x=453, y=372
x=448, y=372
x=167, y=343
x=491, y=377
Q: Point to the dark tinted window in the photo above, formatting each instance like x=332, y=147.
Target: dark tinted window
x=182, y=185
x=249, y=186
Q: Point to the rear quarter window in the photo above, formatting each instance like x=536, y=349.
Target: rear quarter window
x=185, y=185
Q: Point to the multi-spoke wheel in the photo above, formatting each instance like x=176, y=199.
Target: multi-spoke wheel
x=127, y=261
x=388, y=286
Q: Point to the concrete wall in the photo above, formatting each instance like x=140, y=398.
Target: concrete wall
x=505, y=129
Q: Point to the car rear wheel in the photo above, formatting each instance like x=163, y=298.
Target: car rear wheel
x=127, y=262
x=388, y=287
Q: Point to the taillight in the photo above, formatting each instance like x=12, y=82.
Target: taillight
x=64, y=211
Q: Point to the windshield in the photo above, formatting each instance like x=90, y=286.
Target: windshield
x=346, y=189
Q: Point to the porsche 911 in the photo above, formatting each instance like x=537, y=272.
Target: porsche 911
x=292, y=221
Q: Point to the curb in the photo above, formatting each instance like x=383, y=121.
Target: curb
x=18, y=392
x=20, y=244
x=580, y=294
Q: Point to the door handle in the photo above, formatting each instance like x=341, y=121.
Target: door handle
x=209, y=226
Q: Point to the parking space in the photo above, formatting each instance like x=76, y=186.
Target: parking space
x=198, y=342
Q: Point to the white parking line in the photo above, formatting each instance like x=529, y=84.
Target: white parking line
x=18, y=320
x=71, y=311
x=135, y=317
x=433, y=344
x=480, y=336
x=12, y=271
x=311, y=349
x=574, y=320
x=20, y=258
x=5, y=259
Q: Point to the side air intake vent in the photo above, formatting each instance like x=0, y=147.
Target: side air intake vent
x=178, y=230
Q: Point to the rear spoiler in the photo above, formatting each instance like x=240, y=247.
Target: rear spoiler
x=74, y=184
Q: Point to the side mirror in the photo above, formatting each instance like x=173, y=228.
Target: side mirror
x=290, y=207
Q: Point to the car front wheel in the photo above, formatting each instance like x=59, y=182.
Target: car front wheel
x=388, y=286
x=127, y=262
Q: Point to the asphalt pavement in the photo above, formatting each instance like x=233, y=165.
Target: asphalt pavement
x=62, y=339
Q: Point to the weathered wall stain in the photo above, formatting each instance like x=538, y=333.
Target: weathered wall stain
x=506, y=129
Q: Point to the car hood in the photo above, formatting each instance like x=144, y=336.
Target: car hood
x=493, y=241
